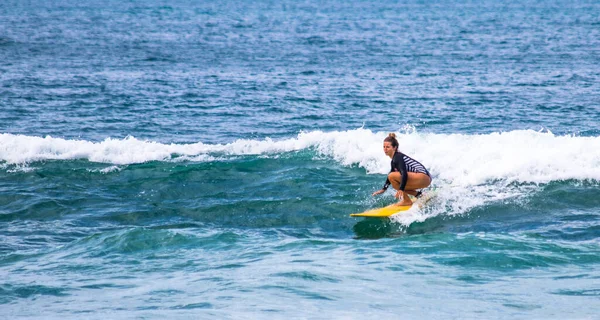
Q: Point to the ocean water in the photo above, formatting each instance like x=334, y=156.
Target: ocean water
x=200, y=159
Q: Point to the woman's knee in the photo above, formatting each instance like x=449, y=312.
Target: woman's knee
x=394, y=176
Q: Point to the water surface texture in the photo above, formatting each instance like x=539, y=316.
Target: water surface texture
x=198, y=159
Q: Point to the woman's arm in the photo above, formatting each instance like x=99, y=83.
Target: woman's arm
x=400, y=166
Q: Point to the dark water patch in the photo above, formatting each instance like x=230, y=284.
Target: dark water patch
x=474, y=279
x=570, y=194
x=191, y=306
x=494, y=252
x=9, y=292
x=231, y=266
x=279, y=109
x=51, y=209
x=271, y=310
x=255, y=256
x=263, y=214
x=166, y=292
x=298, y=245
x=43, y=209
x=520, y=256
x=302, y=261
x=308, y=73
x=5, y=41
x=160, y=58
x=149, y=308
x=147, y=241
x=584, y=233
x=104, y=286
x=579, y=293
x=175, y=226
x=316, y=40
x=581, y=217
x=287, y=198
x=377, y=228
x=297, y=292
x=305, y=275
x=548, y=107
x=524, y=307
x=302, y=99
x=15, y=258
x=307, y=117
x=163, y=184
x=578, y=276
x=499, y=262
x=581, y=78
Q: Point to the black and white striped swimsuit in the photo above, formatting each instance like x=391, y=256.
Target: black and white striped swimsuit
x=403, y=164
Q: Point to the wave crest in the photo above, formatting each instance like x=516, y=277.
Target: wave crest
x=525, y=156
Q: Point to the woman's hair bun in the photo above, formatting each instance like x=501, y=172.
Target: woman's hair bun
x=391, y=138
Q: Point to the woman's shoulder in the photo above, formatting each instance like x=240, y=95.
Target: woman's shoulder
x=398, y=155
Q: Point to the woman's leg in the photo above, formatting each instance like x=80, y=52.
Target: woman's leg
x=415, y=181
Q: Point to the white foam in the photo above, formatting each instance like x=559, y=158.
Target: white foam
x=468, y=160
x=458, y=159
x=107, y=169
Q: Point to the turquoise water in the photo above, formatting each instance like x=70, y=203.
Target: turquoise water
x=200, y=160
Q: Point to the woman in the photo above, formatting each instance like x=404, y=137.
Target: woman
x=407, y=174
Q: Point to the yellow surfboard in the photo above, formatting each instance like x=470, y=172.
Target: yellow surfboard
x=393, y=208
x=382, y=212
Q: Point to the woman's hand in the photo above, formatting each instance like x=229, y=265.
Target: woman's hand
x=398, y=194
x=378, y=192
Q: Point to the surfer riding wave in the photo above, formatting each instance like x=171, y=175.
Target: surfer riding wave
x=406, y=175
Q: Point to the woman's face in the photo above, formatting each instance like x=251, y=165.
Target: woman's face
x=388, y=149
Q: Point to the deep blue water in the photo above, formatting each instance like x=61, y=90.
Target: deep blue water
x=189, y=159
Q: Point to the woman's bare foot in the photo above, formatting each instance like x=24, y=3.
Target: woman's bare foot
x=404, y=202
x=403, y=198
